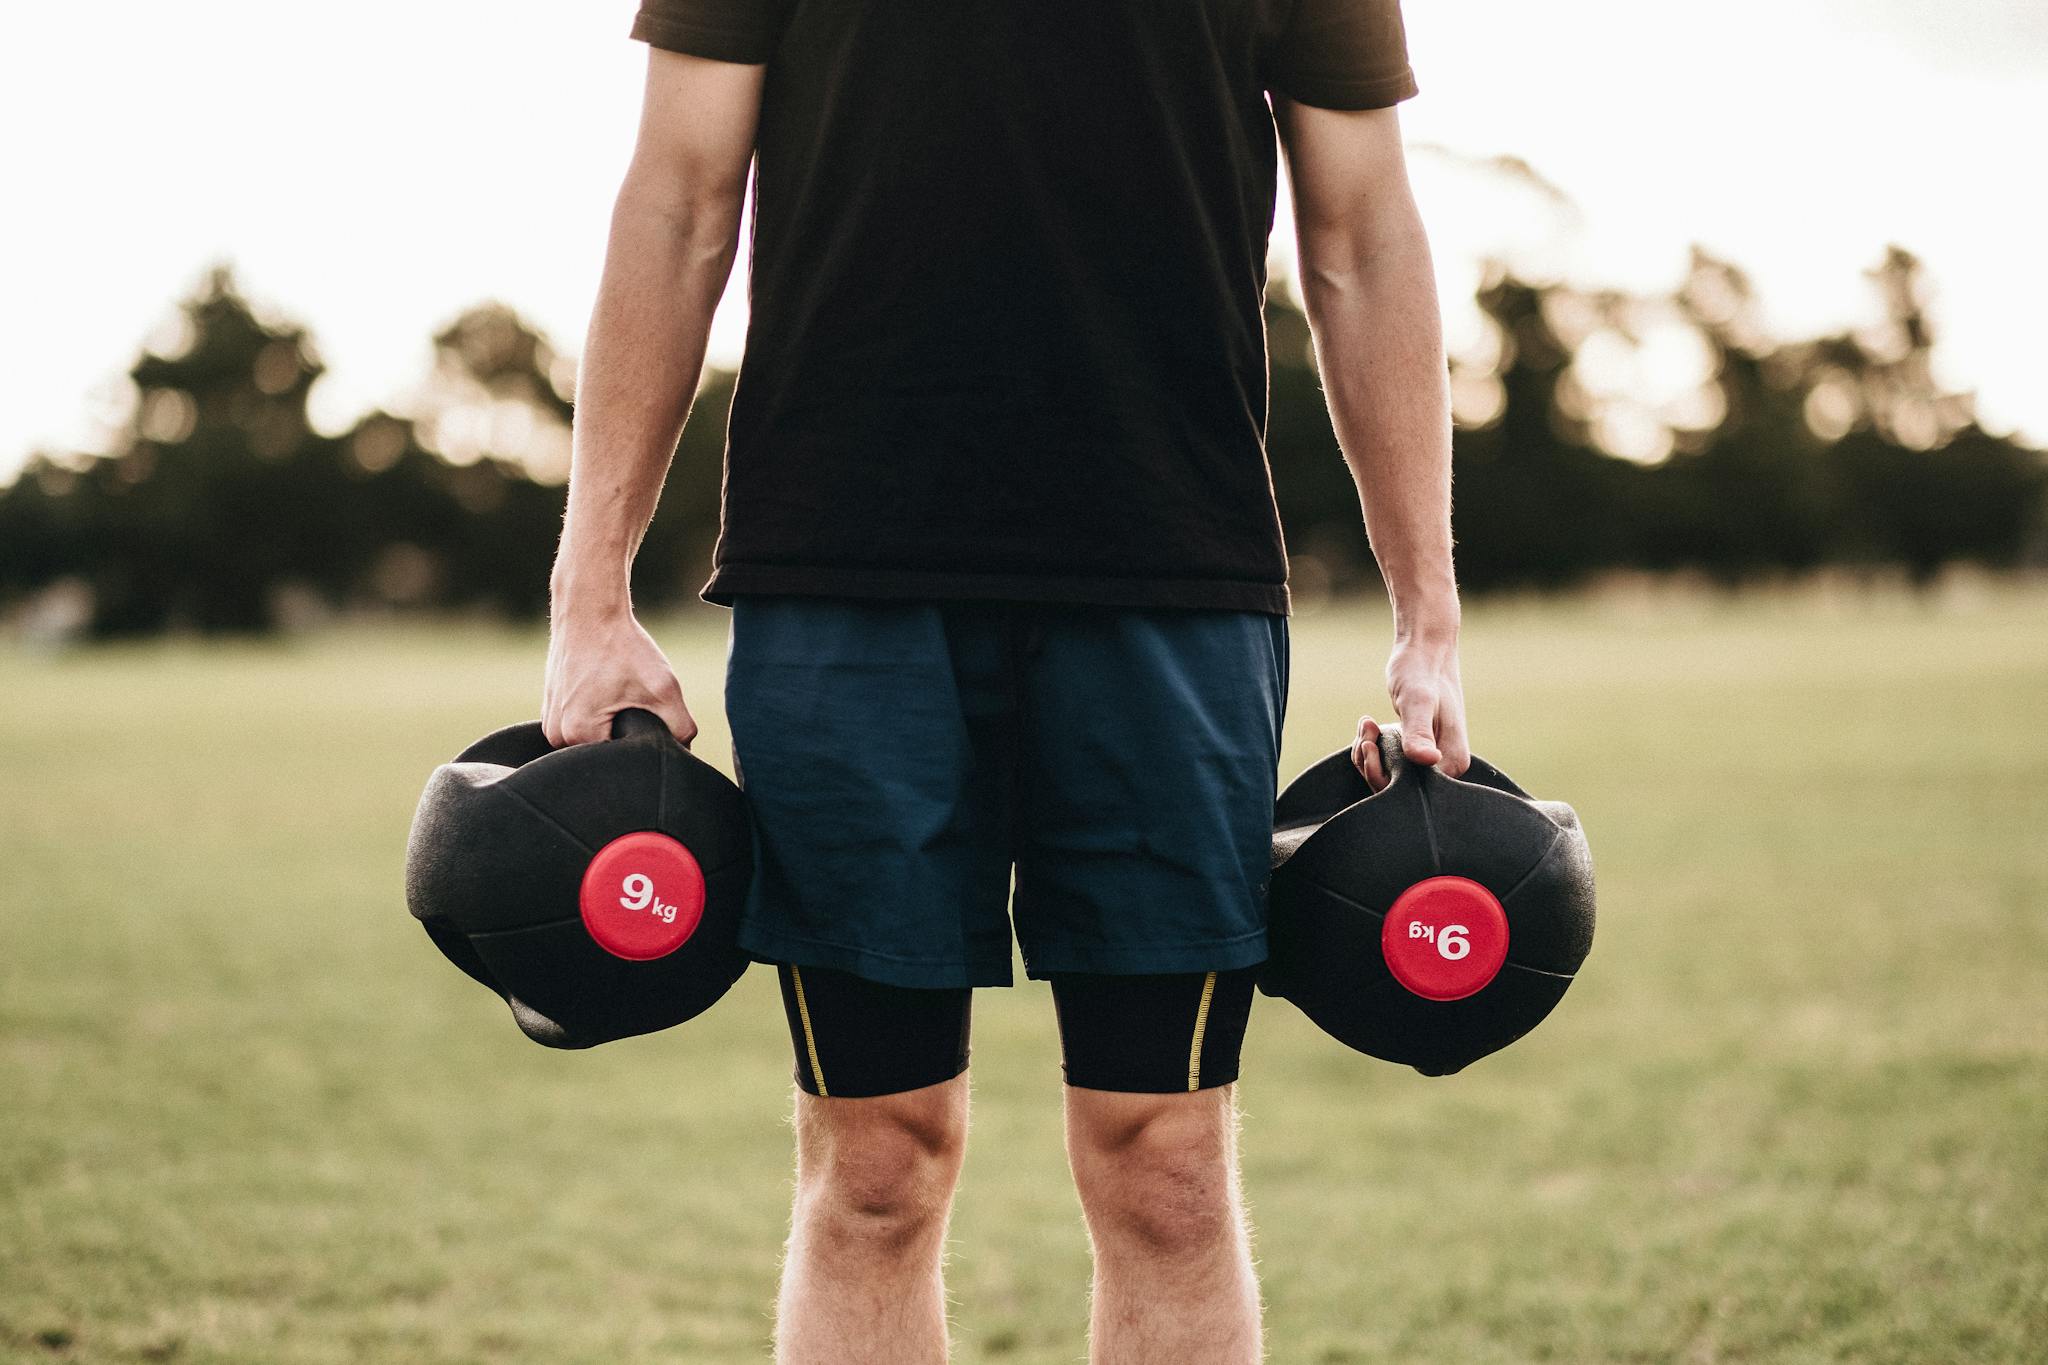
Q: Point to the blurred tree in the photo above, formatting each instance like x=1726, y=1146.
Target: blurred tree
x=190, y=520
x=1595, y=431
x=1600, y=430
x=1910, y=476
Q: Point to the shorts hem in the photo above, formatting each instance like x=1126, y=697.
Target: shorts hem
x=1109, y=1086
x=1147, y=959
x=890, y=969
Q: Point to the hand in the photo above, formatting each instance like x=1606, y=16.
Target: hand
x=599, y=664
x=1423, y=681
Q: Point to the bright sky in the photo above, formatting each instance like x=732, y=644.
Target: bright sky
x=371, y=169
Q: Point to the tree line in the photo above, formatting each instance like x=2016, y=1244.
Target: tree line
x=1596, y=431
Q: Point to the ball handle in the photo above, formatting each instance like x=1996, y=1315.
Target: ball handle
x=637, y=722
x=1479, y=773
x=1392, y=754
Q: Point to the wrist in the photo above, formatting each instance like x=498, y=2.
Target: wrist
x=1431, y=618
x=591, y=552
x=590, y=591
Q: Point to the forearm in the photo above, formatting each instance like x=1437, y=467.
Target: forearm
x=666, y=266
x=1371, y=301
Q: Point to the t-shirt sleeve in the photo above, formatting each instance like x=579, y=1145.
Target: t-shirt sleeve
x=723, y=30
x=1340, y=54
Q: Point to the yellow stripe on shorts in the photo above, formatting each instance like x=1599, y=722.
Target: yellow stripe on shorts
x=803, y=1009
x=1201, y=1026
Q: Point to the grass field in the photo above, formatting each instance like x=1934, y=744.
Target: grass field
x=1796, y=1108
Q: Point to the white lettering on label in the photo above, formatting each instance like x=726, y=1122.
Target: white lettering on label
x=1451, y=944
x=639, y=895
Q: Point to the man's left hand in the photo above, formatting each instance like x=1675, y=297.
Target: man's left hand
x=1422, y=679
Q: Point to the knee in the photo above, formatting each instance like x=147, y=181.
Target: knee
x=877, y=1175
x=1155, y=1174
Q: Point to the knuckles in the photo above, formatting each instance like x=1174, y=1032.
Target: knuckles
x=584, y=730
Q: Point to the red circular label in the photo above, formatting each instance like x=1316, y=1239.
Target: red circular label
x=1445, y=938
x=642, y=896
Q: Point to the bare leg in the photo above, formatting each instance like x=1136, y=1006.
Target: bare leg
x=1157, y=1175
x=861, y=1280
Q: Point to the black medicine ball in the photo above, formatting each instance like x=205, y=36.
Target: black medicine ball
x=1430, y=924
x=596, y=888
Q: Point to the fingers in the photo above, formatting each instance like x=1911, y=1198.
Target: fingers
x=551, y=713
x=665, y=699
x=680, y=722
x=1365, y=754
x=593, y=725
x=590, y=723
x=1452, y=739
x=1419, y=726
x=585, y=725
x=1448, y=749
x=1433, y=732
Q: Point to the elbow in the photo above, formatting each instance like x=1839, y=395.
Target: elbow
x=1362, y=254
x=679, y=196
x=699, y=217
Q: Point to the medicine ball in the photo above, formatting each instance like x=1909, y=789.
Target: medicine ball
x=1430, y=924
x=596, y=887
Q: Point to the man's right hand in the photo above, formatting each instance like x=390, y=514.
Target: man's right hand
x=599, y=664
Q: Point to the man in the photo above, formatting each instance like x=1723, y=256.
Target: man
x=1007, y=579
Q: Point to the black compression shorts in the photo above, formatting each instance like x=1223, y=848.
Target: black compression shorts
x=1151, y=1034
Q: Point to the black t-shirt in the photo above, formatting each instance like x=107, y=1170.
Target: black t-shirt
x=1007, y=335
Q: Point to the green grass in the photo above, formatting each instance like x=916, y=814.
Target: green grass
x=1796, y=1108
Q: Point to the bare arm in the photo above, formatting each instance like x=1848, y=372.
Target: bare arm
x=674, y=237
x=1370, y=292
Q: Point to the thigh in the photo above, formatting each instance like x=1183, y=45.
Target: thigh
x=857, y=1039
x=1153, y=1034
x=872, y=740
x=1148, y=770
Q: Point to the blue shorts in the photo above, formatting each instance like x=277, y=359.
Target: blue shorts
x=902, y=757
